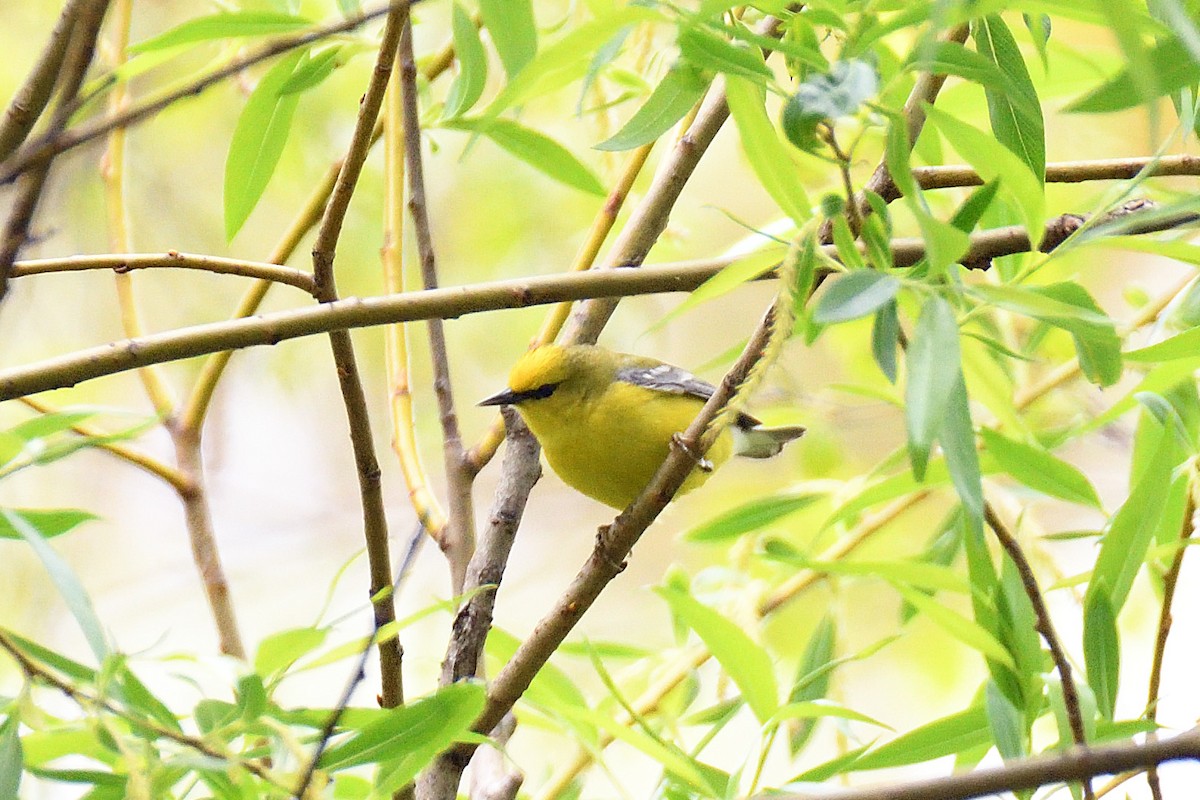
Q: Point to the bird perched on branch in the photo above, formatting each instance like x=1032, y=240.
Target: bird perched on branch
x=605, y=420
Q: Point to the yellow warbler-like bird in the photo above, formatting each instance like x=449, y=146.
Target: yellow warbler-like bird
x=605, y=420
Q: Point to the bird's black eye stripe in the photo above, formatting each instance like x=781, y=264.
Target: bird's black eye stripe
x=541, y=392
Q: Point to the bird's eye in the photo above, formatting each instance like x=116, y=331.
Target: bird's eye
x=541, y=392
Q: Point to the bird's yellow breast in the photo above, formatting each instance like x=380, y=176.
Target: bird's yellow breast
x=610, y=446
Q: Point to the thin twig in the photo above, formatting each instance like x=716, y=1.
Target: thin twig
x=1045, y=627
x=84, y=30
x=458, y=535
x=126, y=262
x=1170, y=581
x=44, y=148
x=353, y=395
x=34, y=95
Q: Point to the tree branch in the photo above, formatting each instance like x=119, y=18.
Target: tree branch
x=1073, y=765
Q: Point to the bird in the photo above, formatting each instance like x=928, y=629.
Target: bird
x=605, y=420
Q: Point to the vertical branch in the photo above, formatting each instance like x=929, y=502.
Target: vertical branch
x=81, y=47
x=404, y=440
x=32, y=98
x=458, y=538
x=1170, y=581
x=192, y=492
x=1045, y=627
x=370, y=488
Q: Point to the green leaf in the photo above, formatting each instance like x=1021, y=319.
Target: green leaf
x=258, y=141
x=1132, y=527
x=1015, y=112
x=812, y=679
x=885, y=338
x=535, y=149
x=513, y=30
x=280, y=650
x=1171, y=67
x=1006, y=724
x=311, y=70
x=1040, y=470
x=745, y=661
x=945, y=244
x=703, y=779
x=969, y=633
x=67, y=583
x=957, y=435
x=947, y=736
x=47, y=522
x=993, y=160
x=752, y=516
x=12, y=757
x=1097, y=346
x=412, y=735
x=1040, y=305
x=566, y=60
x=1183, y=345
x=855, y=294
x=839, y=93
x=680, y=89
x=767, y=154
x=551, y=689
x=1101, y=648
x=707, y=51
x=472, y=63
x=816, y=710
x=933, y=372
x=229, y=25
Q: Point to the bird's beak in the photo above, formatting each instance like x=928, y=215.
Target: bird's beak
x=506, y=397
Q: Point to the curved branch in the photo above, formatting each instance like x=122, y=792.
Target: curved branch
x=127, y=262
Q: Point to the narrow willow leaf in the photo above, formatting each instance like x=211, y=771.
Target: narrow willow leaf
x=228, y=25
x=419, y=730
x=957, y=436
x=1006, y=723
x=933, y=371
x=816, y=710
x=258, y=140
x=65, y=580
x=513, y=30
x=535, y=149
x=1132, y=527
x=947, y=736
x=706, y=50
x=311, y=70
x=752, y=516
x=47, y=522
x=744, y=660
x=855, y=294
x=729, y=278
x=1171, y=68
x=1097, y=346
x=12, y=757
x=839, y=765
x=1015, y=113
x=472, y=63
x=945, y=244
x=1038, y=469
x=969, y=633
x=1101, y=648
x=567, y=59
x=1183, y=345
x=279, y=650
x=885, y=339
x=701, y=778
x=766, y=152
x=812, y=679
x=1040, y=305
x=993, y=160
x=680, y=89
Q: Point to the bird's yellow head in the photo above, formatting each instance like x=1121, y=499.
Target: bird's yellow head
x=551, y=369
